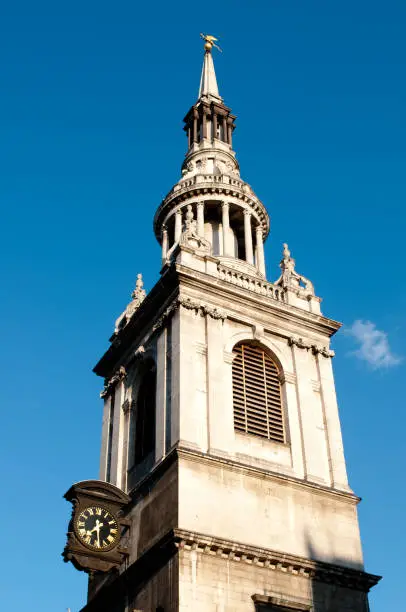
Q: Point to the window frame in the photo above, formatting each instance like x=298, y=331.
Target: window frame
x=257, y=393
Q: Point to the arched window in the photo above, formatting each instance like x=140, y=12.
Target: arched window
x=257, y=397
x=142, y=427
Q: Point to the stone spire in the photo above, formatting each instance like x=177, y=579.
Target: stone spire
x=211, y=211
x=208, y=83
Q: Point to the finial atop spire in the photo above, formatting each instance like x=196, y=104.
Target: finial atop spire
x=209, y=42
x=208, y=82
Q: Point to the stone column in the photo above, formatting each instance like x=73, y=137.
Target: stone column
x=214, y=125
x=230, y=134
x=260, y=251
x=204, y=124
x=164, y=243
x=226, y=228
x=249, y=255
x=178, y=224
x=225, y=129
x=200, y=219
x=195, y=135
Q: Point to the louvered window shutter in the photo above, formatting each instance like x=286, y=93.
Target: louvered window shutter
x=257, y=394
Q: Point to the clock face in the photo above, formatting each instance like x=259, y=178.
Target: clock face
x=97, y=528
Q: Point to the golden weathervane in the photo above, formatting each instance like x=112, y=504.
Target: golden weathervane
x=210, y=42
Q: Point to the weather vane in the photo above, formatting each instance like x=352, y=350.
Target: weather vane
x=210, y=42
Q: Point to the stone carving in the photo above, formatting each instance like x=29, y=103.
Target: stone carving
x=289, y=278
x=139, y=352
x=190, y=238
x=111, y=383
x=128, y=406
x=189, y=304
x=220, y=166
x=211, y=311
x=138, y=296
x=300, y=343
x=160, y=322
x=214, y=313
x=322, y=350
x=188, y=167
x=231, y=168
x=139, y=293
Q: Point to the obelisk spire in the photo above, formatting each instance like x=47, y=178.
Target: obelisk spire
x=208, y=82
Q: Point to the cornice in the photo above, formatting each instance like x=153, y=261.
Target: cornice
x=176, y=540
x=159, y=305
x=274, y=560
x=235, y=465
x=221, y=290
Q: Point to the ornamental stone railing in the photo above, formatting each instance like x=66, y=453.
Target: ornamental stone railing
x=211, y=178
x=257, y=285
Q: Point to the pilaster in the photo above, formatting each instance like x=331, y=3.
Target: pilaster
x=338, y=469
x=311, y=417
x=104, y=438
x=293, y=425
x=161, y=391
x=192, y=405
x=116, y=471
x=220, y=424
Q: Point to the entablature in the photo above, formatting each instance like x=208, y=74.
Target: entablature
x=208, y=293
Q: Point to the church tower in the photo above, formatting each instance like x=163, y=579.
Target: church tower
x=221, y=438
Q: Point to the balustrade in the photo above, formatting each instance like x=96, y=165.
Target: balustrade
x=240, y=279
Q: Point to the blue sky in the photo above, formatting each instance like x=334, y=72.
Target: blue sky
x=92, y=98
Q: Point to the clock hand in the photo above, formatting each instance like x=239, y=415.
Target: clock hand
x=95, y=528
x=98, y=525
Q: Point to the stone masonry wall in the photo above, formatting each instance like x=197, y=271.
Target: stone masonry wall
x=212, y=584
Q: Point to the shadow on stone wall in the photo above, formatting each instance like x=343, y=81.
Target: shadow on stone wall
x=336, y=586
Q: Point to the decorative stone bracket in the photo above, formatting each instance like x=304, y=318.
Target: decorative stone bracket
x=110, y=384
x=197, y=306
x=300, y=343
x=189, y=304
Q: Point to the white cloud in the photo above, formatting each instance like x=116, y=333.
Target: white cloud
x=373, y=345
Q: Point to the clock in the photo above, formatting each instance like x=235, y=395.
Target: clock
x=97, y=528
